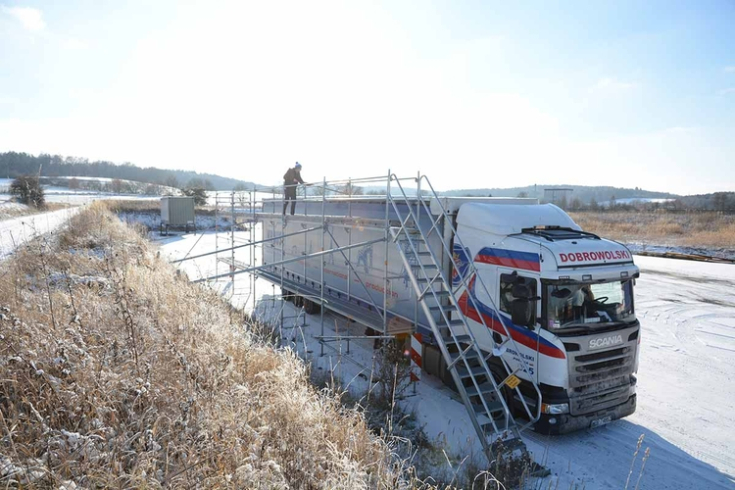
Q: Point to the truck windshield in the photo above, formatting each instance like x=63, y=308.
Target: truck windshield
x=589, y=305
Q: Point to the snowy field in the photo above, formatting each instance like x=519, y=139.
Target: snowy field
x=686, y=390
x=74, y=197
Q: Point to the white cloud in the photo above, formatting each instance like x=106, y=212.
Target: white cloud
x=726, y=91
x=30, y=18
x=730, y=69
x=608, y=84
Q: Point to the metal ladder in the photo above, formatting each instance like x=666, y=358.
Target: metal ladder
x=480, y=390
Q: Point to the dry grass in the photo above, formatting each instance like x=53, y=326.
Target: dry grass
x=709, y=230
x=136, y=205
x=115, y=372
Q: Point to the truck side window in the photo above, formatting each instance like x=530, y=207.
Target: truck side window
x=507, y=281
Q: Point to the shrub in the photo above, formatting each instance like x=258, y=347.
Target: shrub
x=28, y=190
x=198, y=193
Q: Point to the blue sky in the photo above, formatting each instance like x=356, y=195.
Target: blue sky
x=474, y=94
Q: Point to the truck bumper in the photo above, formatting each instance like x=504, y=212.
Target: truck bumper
x=563, y=424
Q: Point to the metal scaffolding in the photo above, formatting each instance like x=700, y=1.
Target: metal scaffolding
x=245, y=207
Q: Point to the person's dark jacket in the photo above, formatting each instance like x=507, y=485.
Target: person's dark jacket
x=292, y=177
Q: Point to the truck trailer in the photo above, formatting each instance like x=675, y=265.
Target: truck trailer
x=530, y=318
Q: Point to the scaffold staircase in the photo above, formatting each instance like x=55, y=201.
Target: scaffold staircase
x=486, y=393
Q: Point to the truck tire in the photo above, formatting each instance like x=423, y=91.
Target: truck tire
x=310, y=307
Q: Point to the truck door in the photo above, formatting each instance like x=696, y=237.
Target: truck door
x=519, y=311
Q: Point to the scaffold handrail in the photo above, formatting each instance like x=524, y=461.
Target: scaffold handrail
x=251, y=244
x=288, y=261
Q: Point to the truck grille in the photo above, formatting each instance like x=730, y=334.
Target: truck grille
x=600, y=379
x=602, y=355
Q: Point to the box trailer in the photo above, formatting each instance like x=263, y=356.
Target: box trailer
x=177, y=212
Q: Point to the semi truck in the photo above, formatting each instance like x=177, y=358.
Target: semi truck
x=507, y=300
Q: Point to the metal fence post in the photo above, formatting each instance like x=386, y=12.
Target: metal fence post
x=385, y=257
x=321, y=263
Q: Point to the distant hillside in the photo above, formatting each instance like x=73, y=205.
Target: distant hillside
x=582, y=192
x=13, y=164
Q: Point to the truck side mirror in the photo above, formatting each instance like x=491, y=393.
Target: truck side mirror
x=521, y=311
x=521, y=291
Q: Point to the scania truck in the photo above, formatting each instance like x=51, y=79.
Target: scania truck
x=539, y=294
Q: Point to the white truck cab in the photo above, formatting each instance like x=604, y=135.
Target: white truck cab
x=565, y=296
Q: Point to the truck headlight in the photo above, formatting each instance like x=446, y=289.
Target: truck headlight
x=555, y=409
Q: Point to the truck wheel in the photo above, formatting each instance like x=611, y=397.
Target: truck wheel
x=310, y=307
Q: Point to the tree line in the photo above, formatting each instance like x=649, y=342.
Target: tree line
x=14, y=164
x=722, y=202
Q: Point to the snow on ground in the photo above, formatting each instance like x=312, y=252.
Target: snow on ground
x=9, y=209
x=16, y=231
x=152, y=220
x=686, y=394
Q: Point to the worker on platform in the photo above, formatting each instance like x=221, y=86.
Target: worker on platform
x=291, y=179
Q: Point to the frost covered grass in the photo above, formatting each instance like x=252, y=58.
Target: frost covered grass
x=709, y=230
x=115, y=371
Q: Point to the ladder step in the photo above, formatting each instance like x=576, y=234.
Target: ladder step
x=473, y=372
x=458, y=339
x=421, y=280
x=426, y=266
x=455, y=323
x=483, y=388
x=449, y=307
x=442, y=294
x=492, y=405
x=484, y=421
x=508, y=446
x=416, y=240
x=423, y=254
x=471, y=354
